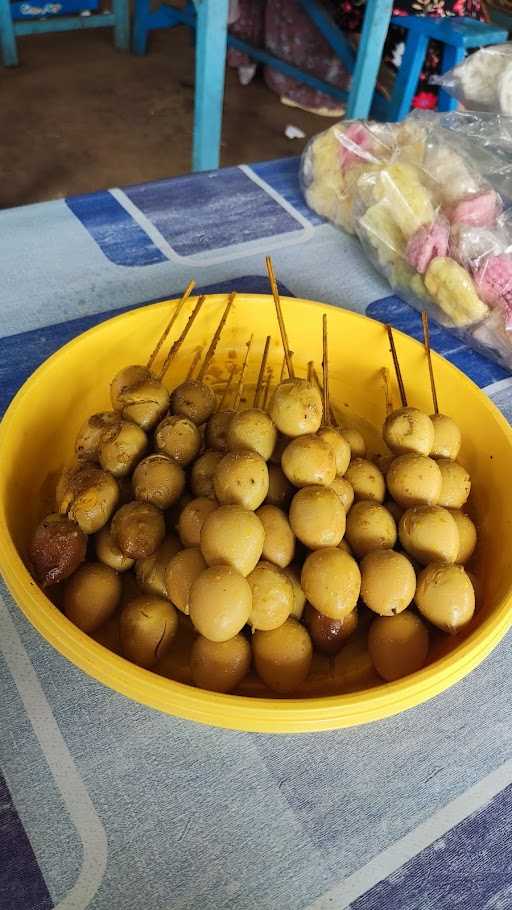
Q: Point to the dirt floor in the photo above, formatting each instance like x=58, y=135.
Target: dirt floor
x=78, y=116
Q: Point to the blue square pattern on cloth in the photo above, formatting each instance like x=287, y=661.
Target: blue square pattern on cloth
x=21, y=354
x=201, y=212
x=403, y=317
x=22, y=886
x=118, y=236
x=467, y=869
x=195, y=213
x=283, y=176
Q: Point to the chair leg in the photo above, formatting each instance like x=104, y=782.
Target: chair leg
x=211, y=37
x=451, y=57
x=7, y=36
x=407, y=77
x=122, y=24
x=371, y=44
x=140, y=32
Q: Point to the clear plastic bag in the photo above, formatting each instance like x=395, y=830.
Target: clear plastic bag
x=483, y=81
x=426, y=215
x=482, y=139
x=334, y=161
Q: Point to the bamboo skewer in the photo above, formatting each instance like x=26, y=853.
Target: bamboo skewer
x=279, y=312
x=268, y=384
x=387, y=393
x=227, y=387
x=325, y=372
x=239, y=390
x=319, y=385
x=261, y=373
x=403, y=396
x=193, y=363
x=310, y=370
x=426, y=342
x=283, y=368
x=186, y=294
x=215, y=340
x=179, y=341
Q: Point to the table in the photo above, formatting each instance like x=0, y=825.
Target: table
x=108, y=805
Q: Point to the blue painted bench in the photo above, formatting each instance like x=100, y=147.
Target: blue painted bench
x=456, y=33
x=209, y=20
x=20, y=18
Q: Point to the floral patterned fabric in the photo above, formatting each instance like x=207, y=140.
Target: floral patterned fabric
x=349, y=16
x=283, y=28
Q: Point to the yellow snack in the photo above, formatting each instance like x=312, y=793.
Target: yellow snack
x=327, y=187
x=399, y=186
x=454, y=291
x=401, y=275
x=331, y=191
x=410, y=139
x=417, y=286
x=383, y=233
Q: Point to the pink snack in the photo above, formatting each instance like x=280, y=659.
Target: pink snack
x=428, y=241
x=493, y=281
x=357, y=134
x=480, y=210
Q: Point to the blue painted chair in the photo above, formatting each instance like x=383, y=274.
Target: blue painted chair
x=456, y=34
x=22, y=18
x=209, y=20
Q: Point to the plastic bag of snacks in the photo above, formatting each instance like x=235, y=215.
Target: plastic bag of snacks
x=483, y=81
x=333, y=162
x=426, y=217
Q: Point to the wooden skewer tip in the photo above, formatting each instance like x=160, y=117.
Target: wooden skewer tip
x=399, y=379
x=280, y=318
x=261, y=373
x=266, y=395
x=216, y=337
x=179, y=341
x=325, y=371
x=426, y=342
x=186, y=294
x=227, y=386
x=193, y=363
x=387, y=391
x=241, y=377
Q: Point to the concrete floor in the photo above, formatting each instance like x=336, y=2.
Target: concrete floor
x=78, y=116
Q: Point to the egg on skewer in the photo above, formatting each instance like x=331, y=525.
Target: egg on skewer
x=447, y=435
x=406, y=429
x=136, y=393
x=252, y=428
x=296, y=405
x=194, y=398
x=218, y=423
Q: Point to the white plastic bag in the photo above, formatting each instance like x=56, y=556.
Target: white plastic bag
x=483, y=81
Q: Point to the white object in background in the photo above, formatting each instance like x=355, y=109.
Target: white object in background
x=483, y=81
x=294, y=132
x=233, y=12
x=505, y=90
x=246, y=73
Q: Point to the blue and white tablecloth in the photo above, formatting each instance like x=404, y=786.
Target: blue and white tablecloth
x=105, y=804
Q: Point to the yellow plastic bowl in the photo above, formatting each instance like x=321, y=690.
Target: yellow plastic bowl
x=37, y=435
